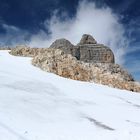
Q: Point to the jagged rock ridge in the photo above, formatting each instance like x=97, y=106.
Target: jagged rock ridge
x=87, y=50
x=62, y=59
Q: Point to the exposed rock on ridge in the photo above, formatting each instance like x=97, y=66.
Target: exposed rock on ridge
x=26, y=51
x=87, y=50
x=65, y=65
x=87, y=39
x=75, y=62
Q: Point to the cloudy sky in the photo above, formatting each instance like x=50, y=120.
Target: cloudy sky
x=38, y=23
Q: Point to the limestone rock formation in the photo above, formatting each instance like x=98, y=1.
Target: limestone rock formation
x=65, y=45
x=65, y=65
x=96, y=54
x=87, y=39
x=87, y=61
x=87, y=50
x=26, y=51
x=61, y=43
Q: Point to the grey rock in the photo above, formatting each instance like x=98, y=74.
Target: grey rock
x=87, y=50
x=87, y=39
x=63, y=44
x=96, y=54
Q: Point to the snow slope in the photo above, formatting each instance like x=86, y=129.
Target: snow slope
x=36, y=105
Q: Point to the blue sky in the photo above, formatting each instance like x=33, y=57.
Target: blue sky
x=115, y=23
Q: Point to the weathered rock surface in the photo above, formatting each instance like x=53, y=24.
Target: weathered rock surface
x=65, y=65
x=26, y=51
x=62, y=43
x=87, y=61
x=96, y=54
x=87, y=50
x=65, y=45
x=87, y=39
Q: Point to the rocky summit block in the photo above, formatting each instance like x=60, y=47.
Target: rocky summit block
x=87, y=39
x=87, y=50
x=87, y=61
x=62, y=44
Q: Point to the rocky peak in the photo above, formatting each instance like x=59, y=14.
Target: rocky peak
x=86, y=62
x=87, y=50
x=87, y=39
x=60, y=43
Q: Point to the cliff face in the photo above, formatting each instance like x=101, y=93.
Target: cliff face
x=87, y=50
x=78, y=63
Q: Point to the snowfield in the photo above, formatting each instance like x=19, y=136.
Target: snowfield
x=36, y=105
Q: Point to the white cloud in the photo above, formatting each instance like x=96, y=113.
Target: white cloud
x=13, y=35
x=134, y=68
x=102, y=23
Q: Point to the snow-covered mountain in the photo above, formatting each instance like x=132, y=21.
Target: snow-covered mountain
x=36, y=105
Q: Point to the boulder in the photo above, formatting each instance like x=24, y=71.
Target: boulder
x=96, y=53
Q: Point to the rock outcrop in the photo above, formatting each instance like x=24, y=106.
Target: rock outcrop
x=65, y=65
x=87, y=39
x=26, y=51
x=86, y=50
x=86, y=61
